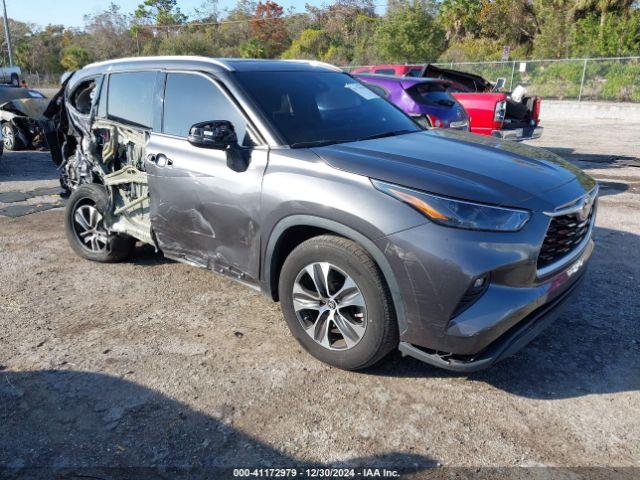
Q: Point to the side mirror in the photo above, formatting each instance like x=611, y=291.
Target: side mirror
x=220, y=135
x=216, y=134
x=500, y=82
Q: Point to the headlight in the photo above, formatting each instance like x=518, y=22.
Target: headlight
x=457, y=213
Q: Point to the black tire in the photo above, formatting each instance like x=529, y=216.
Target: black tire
x=15, y=81
x=381, y=333
x=116, y=246
x=10, y=137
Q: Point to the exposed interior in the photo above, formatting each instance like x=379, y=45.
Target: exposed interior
x=98, y=150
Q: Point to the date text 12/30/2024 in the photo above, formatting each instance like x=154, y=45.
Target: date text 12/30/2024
x=315, y=473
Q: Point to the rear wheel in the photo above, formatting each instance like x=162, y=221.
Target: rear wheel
x=15, y=81
x=337, y=304
x=85, y=229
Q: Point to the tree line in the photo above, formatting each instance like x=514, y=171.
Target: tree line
x=343, y=32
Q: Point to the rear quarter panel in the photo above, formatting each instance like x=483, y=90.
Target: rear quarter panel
x=481, y=109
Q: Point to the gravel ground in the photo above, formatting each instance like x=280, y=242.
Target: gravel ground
x=151, y=362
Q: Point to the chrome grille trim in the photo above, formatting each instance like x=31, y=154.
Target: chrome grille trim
x=572, y=208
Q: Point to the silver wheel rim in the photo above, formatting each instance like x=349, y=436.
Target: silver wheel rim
x=87, y=225
x=7, y=135
x=330, y=306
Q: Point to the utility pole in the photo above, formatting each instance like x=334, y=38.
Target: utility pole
x=7, y=33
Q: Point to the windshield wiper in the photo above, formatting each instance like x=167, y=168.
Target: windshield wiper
x=388, y=134
x=316, y=143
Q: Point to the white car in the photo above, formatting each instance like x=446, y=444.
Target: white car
x=10, y=75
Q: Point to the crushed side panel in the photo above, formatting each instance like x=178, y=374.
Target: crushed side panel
x=112, y=154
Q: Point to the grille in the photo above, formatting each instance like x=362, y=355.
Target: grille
x=564, y=234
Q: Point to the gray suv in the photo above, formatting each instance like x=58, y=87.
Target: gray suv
x=295, y=179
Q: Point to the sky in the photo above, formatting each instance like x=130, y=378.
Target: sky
x=71, y=12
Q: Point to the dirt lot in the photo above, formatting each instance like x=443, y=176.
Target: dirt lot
x=151, y=362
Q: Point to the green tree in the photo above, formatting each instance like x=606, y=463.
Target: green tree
x=603, y=8
x=311, y=44
x=555, y=24
x=74, y=58
x=459, y=18
x=253, y=48
x=409, y=33
x=160, y=12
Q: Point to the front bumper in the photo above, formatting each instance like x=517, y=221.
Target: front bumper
x=518, y=134
x=435, y=266
x=515, y=338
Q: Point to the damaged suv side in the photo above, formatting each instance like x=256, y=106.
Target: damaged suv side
x=296, y=179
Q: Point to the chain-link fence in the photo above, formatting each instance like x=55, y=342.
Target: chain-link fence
x=42, y=80
x=615, y=79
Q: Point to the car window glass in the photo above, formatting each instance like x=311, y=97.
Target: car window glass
x=435, y=94
x=131, y=97
x=414, y=72
x=325, y=107
x=385, y=71
x=376, y=88
x=191, y=98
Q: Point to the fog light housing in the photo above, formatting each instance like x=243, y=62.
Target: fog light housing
x=473, y=293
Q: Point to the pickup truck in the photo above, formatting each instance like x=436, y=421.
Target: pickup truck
x=491, y=112
x=10, y=75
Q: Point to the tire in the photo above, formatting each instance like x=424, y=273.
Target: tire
x=372, y=327
x=10, y=138
x=90, y=202
x=15, y=81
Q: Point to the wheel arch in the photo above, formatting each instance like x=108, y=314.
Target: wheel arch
x=293, y=230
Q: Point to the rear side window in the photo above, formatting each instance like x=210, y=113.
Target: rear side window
x=414, y=72
x=130, y=97
x=191, y=98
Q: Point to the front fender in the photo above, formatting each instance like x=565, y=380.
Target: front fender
x=269, y=276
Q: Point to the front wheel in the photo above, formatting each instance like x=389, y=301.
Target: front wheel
x=10, y=138
x=85, y=229
x=336, y=303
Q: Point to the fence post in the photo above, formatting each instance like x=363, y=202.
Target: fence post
x=584, y=71
x=513, y=71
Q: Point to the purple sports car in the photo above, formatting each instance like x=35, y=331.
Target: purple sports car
x=426, y=99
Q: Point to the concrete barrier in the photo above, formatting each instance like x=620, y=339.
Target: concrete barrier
x=571, y=109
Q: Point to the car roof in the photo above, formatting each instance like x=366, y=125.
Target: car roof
x=210, y=63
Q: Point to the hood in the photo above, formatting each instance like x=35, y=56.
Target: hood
x=28, y=107
x=461, y=165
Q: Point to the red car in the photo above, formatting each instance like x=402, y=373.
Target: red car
x=491, y=112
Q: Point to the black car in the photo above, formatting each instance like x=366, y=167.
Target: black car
x=20, y=111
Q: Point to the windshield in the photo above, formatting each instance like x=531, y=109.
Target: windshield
x=320, y=108
x=12, y=93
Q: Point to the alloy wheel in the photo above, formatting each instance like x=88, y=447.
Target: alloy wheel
x=87, y=225
x=8, y=137
x=329, y=306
